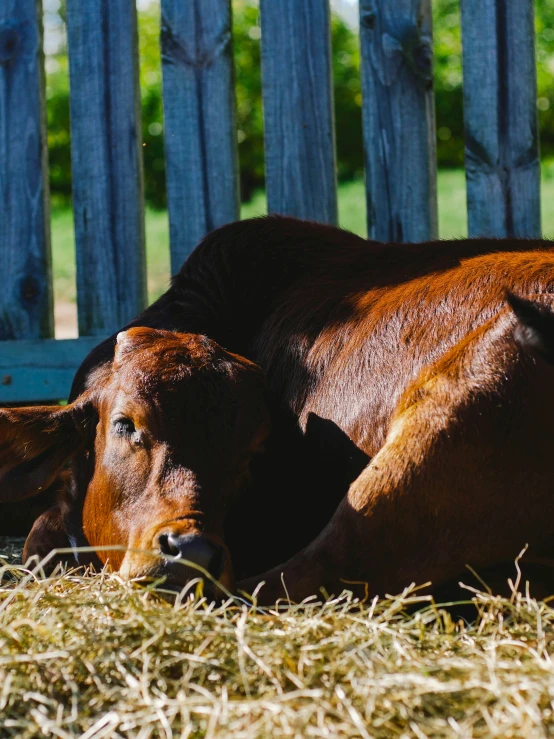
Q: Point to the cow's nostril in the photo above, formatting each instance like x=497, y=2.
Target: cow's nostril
x=165, y=547
x=195, y=548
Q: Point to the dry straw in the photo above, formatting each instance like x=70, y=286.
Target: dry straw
x=95, y=657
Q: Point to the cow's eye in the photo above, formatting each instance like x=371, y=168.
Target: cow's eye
x=124, y=427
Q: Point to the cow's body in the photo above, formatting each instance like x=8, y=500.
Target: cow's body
x=405, y=410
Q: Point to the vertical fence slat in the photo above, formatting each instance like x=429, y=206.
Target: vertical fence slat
x=25, y=272
x=298, y=109
x=107, y=163
x=399, y=119
x=500, y=91
x=199, y=120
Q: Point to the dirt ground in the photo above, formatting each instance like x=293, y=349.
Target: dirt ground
x=65, y=318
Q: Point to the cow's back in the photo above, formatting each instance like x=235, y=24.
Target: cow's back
x=343, y=348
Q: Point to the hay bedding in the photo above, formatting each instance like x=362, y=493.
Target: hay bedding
x=96, y=657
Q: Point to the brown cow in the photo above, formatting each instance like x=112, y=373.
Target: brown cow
x=411, y=409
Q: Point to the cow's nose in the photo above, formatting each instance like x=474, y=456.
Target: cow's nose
x=195, y=548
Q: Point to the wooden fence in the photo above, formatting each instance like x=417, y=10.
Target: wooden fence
x=502, y=161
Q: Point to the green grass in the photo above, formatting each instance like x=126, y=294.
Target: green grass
x=451, y=204
x=452, y=223
x=352, y=208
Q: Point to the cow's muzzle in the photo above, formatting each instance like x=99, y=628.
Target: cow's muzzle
x=197, y=549
x=178, y=558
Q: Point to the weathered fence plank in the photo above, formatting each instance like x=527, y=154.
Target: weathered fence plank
x=199, y=121
x=107, y=162
x=298, y=109
x=500, y=91
x=42, y=369
x=399, y=119
x=26, y=294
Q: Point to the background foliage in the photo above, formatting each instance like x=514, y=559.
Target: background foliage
x=347, y=88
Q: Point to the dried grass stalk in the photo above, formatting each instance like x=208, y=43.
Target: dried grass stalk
x=95, y=657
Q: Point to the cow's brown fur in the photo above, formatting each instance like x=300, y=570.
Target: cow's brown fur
x=411, y=430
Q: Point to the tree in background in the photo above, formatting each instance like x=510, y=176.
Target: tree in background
x=347, y=91
x=544, y=24
x=57, y=100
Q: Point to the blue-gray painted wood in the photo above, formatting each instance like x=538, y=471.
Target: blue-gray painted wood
x=199, y=121
x=41, y=369
x=107, y=163
x=399, y=119
x=25, y=274
x=500, y=113
x=298, y=109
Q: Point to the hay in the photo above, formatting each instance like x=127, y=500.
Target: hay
x=95, y=657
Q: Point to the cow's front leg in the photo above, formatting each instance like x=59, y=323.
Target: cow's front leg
x=379, y=539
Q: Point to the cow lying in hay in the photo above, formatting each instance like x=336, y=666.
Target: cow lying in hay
x=402, y=396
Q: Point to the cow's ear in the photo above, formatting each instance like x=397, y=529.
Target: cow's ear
x=36, y=442
x=535, y=327
x=254, y=423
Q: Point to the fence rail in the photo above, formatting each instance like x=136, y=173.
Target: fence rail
x=107, y=163
x=502, y=160
x=25, y=269
x=199, y=121
x=500, y=105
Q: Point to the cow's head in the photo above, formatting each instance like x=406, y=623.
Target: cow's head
x=159, y=443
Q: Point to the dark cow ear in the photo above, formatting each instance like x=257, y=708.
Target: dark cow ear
x=535, y=327
x=254, y=423
x=48, y=533
x=35, y=443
